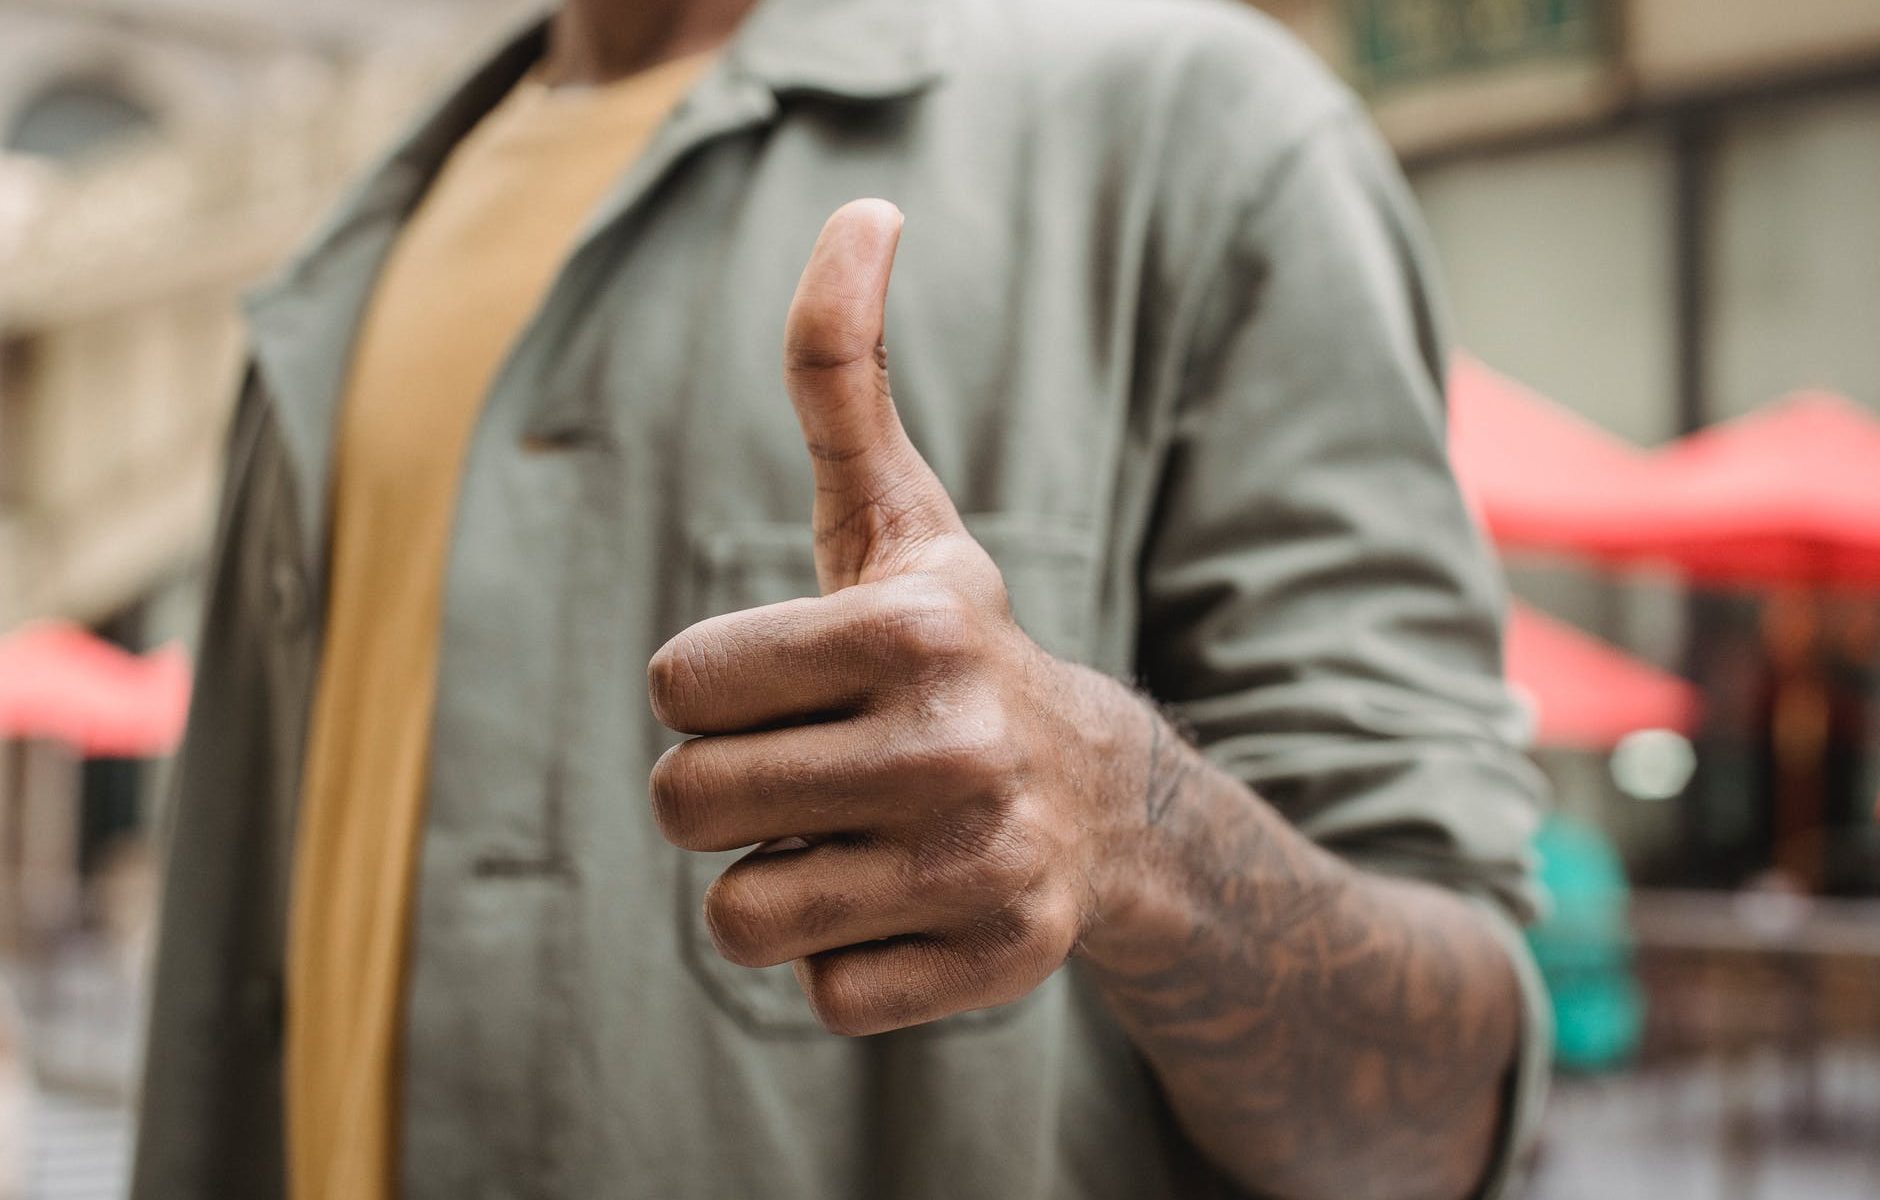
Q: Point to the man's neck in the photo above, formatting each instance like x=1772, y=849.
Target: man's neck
x=598, y=41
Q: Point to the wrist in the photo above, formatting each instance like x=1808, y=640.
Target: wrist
x=1187, y=845
x=1138, y=866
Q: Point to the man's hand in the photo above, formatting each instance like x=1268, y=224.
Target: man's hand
x=943, y=811
x=911, y=765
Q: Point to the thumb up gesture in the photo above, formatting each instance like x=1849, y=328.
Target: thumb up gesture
x=933, y=796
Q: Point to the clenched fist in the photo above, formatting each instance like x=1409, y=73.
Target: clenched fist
x=929, y=792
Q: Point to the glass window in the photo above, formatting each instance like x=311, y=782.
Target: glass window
x=1558, y=265
x=1795, y=250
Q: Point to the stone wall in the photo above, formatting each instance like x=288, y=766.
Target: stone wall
x=119, y=342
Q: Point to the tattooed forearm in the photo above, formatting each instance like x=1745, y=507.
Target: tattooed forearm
x=1320, y=1031
x=1171, y=767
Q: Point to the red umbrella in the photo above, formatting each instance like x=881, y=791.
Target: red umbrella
x=1539, y=476
x=1589, y=695
x=59, y=681
x=1542, y=477
x=1789, y=494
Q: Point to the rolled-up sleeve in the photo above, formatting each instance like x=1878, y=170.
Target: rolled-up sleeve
x=1318, y=606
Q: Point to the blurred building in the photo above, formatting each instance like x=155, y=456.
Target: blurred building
x=1663, y=213
x=1658, y=211
x=156, y=157
x=159, y=156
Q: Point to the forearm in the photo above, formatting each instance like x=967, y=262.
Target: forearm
x=951, y=812
x=1319, y=1031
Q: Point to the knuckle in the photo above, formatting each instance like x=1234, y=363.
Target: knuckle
x=738, y=920
x=940, y=867
x=1025, y=942
x=1036, y=961
x=980, y=864
x=1055, y=922
x=676, y=794
x=671, y=678
x=837, y=995
x=659, y=682
x=994, y=939
x=975, y=749
x=1008, y=859
x=825, y=912
x=929, y=623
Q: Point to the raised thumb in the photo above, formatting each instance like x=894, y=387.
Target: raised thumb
x=876, y=499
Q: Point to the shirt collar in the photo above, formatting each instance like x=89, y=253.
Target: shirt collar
x=853, y=50
x=302, y=321
x=848, y=49
x=845, y=49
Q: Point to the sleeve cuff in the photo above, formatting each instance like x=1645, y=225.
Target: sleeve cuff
x=1526, y=1089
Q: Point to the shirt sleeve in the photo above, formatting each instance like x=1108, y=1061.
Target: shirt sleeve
x=1318, y=606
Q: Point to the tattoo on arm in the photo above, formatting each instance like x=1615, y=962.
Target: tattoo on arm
x=1171, y=766
x=1319, y=1030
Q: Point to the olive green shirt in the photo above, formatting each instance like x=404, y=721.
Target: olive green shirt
x=1163, y=326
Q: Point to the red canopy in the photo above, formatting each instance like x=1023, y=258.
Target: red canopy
x=1588, y=695
x=59, y=681
x=1539, y=476
x=1789, y=494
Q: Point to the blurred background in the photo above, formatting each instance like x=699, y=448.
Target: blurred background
x=1659, y=222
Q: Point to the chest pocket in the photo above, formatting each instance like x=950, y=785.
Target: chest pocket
x=1049, y=567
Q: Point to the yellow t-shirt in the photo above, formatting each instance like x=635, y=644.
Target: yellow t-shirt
x=468, y=271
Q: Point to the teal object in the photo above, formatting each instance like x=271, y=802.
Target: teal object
x=1584, y=947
